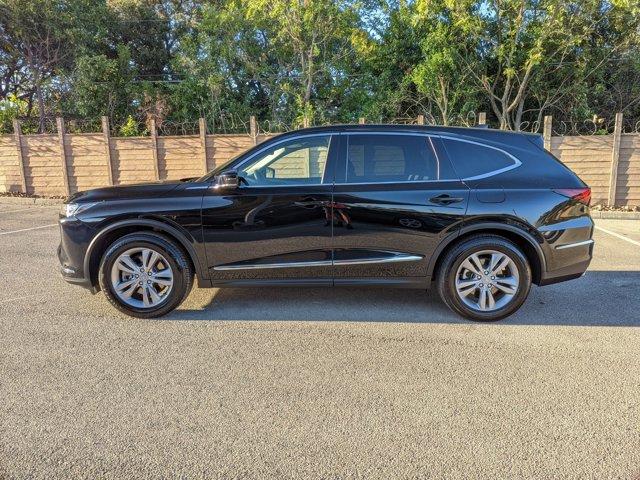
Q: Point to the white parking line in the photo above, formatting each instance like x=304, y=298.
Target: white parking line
x=9, y=300
x=27, y=229
x=18, y=210
x=35, y=209
x=617, y=235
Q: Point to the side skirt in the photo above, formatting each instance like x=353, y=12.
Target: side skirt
x=402, y=282
x=398, y=282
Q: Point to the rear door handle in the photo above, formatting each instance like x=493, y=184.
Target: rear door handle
x=445, y=199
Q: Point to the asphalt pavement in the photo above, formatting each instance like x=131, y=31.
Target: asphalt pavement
x=316, y=383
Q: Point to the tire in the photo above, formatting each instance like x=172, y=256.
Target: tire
x=457, y=275
x=170, y=275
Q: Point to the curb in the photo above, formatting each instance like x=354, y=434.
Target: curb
x=30, y=201
x=615, y=215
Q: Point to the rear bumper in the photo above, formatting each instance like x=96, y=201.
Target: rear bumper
x=576, y=271
x=570, y=260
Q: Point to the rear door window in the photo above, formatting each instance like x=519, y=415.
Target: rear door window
x=393, y=158
x=472, y=160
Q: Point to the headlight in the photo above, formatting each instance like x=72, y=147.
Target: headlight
x=73, y=209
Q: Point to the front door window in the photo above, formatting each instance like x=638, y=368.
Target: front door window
x=295, y=162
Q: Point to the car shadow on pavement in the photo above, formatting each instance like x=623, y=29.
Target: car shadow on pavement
x=601, y=298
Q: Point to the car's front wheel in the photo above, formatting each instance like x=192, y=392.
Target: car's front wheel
x=484, y=278
x=145, y=275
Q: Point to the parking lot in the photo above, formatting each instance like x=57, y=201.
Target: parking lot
x=322, y=383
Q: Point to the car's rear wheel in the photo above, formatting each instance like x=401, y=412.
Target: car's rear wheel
x=145, y=275
x=484, y=278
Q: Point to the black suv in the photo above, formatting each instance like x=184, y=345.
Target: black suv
x=480, y=213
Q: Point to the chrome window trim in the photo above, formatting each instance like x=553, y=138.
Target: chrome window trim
x=576, y=244
x=403, y=182
x=340, y=184
x=294, y=137
x=516, y=162
x=435, y=154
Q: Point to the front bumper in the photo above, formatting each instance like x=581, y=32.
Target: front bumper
x=70, y=275
x=75, y=237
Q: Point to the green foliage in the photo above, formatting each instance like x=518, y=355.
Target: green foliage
x=528, y=56
x=439, y=74
x=130, y=128
x=102, y=86
x=39, y=42
x=10, y=108
x=285, y=61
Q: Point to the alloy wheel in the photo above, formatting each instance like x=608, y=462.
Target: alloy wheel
x=142, y=277
x=487, y=280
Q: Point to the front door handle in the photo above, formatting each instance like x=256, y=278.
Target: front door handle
x=445, y=199
x=308, y=203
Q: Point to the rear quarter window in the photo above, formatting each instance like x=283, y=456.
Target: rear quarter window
x=473, y=160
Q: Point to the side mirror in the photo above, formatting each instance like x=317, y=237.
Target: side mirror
x=269, y=172
x=228, y=180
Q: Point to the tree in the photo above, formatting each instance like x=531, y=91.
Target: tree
x=517, y=41
x=11, y=107
x=312, y=38
x=439, y=74
x=225, y=69
x=103, y=86
x=388, y=58
x=321, y=60
x=40, y=38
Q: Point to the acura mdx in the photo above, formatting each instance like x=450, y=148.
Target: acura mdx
x=478, y=214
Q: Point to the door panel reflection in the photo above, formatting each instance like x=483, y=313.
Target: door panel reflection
x=396, y=220
x=258, y=226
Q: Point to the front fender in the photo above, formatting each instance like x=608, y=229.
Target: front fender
x=185, y=240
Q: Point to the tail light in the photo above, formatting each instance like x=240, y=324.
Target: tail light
x=582, y=195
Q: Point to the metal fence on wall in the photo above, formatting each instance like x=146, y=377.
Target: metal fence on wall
x=77, y=156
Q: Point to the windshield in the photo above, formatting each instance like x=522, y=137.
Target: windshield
x=219, y=169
